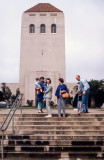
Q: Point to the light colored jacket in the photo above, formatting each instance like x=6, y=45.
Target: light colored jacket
x=48, y=91
x=84, y=86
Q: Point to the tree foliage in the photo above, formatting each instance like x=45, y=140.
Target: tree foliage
x=30, y=103
x=6, y=92
x=97, y=92
x=94, y=85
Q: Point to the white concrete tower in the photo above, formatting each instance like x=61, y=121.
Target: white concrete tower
x=42, y=47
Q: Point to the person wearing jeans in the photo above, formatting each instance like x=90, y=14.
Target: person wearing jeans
x=84, y=88
x=61, y=102
x=85, y=98
x=79, y=103
x=48, y=97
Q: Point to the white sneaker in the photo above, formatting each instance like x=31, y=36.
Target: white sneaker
x=48, y=116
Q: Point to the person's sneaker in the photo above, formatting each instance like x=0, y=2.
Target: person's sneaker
x=48, y=116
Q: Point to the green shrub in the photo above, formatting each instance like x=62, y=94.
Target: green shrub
x=30, y=103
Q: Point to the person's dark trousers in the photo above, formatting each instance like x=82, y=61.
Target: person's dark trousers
x=85, y=98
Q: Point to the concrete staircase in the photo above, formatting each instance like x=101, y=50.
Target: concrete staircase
x=73, y=136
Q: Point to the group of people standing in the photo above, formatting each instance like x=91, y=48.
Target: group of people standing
x=44, y=94
x=44, y=91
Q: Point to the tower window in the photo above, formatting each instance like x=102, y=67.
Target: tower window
x=53, y=14
x=42, y=28
x=53, y=28
x=32, y=28
x=42, y=14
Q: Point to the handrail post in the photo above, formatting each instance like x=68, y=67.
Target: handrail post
x=2, y=145
x=13, y=131
x=21, y=105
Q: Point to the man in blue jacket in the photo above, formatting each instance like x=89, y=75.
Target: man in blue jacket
x=84, y=88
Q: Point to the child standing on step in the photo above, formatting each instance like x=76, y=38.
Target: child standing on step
x=37, y=84
x=79, y=103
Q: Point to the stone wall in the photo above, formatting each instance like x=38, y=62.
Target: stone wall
x=30, y=94
x=70, y=87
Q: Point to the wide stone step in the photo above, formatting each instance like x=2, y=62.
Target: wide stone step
x=64, y=132
x=66, y=129
x=55, y=115
x=56, y=132
x=68, y=115
x=55, y=127
x=58, y=123
x=87, y=155
x=53, y=148
x=56, y=155
x=59, y=119
x=55, y=137
x=32, y=154
x=25, y=142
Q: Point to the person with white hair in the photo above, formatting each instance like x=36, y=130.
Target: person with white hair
x=84, y=88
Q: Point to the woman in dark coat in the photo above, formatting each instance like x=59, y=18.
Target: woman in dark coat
x=40, y=101
x=61, y=102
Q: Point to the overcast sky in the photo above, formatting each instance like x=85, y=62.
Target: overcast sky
x=84, y=34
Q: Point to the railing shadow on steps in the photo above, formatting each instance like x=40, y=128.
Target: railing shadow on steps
x=10, y=117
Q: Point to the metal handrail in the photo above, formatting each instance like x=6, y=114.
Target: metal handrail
x=9, y=113
x=17, y=103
